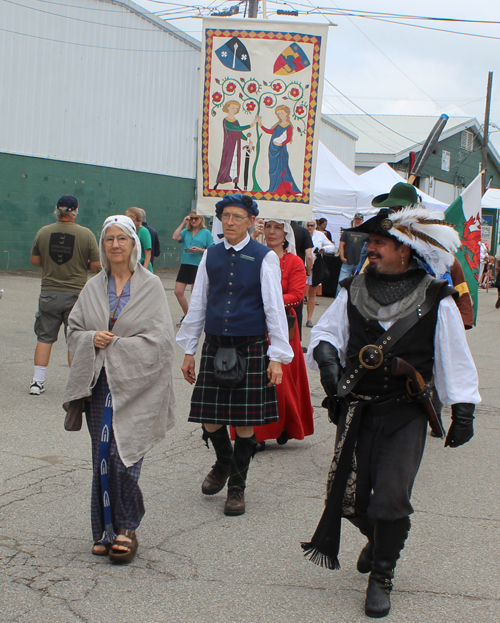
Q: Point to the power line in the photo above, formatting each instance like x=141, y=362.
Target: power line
x=100, y=47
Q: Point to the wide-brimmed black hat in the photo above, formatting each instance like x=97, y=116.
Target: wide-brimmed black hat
x=401, y=194
x=424, y=231
x=378, y=224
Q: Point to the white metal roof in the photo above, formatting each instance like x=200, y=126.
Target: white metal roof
x=397, y=135
x=99, y=82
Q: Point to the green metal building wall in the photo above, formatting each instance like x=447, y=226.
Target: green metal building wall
x=464, y=165
x=30, y=188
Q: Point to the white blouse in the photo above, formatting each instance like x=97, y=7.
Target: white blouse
x=455, y=374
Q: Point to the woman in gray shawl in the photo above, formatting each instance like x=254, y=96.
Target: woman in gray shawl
x=121, y=339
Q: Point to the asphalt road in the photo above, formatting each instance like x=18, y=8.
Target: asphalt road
x=194, y=564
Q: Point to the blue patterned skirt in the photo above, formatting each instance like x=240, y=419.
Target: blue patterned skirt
x=127, y=506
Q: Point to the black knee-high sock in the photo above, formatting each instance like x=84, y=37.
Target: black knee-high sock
x=244, y=449
x=221, y=443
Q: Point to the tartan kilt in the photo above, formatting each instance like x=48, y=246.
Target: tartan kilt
x=251, y=404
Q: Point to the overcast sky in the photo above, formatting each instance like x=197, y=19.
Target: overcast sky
x=396, y=69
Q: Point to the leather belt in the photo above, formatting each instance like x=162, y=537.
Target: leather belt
x=371, y=356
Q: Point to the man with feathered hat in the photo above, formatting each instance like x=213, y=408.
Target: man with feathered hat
x=377, y=348
x=237, y=300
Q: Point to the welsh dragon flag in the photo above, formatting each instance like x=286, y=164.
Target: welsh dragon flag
x=465, y=214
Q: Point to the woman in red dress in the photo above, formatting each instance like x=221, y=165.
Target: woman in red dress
x=294, y=398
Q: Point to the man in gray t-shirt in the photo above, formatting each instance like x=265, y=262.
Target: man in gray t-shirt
x=351, y=244
x=65, y=252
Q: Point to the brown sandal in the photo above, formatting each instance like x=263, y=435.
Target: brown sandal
x=97, y=551
x=131, y=547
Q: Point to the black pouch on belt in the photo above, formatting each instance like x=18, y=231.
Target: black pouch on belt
x=230, y=367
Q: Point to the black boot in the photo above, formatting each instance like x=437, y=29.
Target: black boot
x=365, y=525
x=244, y=450
x=217, y=476
x=389, y=540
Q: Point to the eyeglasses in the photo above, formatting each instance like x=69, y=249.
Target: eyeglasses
x=237, y=218
x=194, y=218
x=122, y=240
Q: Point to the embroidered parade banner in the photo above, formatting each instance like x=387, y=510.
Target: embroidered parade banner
x=260, y=113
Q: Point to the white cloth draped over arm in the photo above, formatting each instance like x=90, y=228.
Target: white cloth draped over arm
x=194, y=322
x=274, y=308
x=320, y=241
x=455, y=374
x=333, y=328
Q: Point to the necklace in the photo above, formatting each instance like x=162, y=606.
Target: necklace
x=112, y=315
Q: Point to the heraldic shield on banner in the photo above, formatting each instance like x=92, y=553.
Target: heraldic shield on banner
x=260, y=114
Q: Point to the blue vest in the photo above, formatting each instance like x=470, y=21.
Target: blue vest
x=234, y=306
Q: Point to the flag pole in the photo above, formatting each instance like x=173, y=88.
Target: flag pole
x=484, y=150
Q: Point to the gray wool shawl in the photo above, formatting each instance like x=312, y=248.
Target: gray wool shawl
x=138, y=361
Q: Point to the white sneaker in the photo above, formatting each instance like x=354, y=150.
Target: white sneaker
x=37, y=388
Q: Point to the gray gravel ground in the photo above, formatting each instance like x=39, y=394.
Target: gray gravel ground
x=195, y=565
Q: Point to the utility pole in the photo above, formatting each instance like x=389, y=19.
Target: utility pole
x=253, y=8
x=484, y=151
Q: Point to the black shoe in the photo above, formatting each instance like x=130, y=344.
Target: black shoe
x=378, y=596
x=260, y=447
x=216, y=479
x=282, y=439
x=497, y=304
x=389, y=539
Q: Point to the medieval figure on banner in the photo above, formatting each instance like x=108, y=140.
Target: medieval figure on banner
x=280, y=176
x=229, y=170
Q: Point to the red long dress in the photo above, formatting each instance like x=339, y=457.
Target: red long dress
x=294, y=398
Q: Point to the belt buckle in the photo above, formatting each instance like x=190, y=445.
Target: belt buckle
x=371, y=357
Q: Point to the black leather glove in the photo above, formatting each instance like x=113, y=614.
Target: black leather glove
x=327, y=358
x=461, y=429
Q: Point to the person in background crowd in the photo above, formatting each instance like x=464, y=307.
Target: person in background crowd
x=497, y=283
x=393, y=315
x=195, y=239
x=155, y=241
x=122, y=343
x=304, y=247
x=237, y=298
x=321, y=226
x=65, y=252
x=350, y=247
x=135, y=214
x=294, y=398
x=321, y=245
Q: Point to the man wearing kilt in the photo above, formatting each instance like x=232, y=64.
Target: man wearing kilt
x=237, y=299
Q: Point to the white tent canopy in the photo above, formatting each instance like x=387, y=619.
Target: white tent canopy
x=384, y=177
x=491, y=199
x=339, y=192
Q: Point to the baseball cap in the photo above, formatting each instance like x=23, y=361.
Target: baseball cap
x=68, y=203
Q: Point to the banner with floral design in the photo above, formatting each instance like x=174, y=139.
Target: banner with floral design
x=260, y=113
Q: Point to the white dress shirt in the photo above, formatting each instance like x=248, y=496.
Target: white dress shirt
x=272, y=297
x=455, y=374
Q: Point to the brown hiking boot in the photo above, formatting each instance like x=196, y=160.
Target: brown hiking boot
x=235, y=503
x=216, y=478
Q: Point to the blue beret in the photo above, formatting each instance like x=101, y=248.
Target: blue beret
x=239, y=201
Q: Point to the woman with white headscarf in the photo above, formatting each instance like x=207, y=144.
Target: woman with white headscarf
x=121, y=341
x=294, y=398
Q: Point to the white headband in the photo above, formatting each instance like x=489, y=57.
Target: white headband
x=127, y=225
